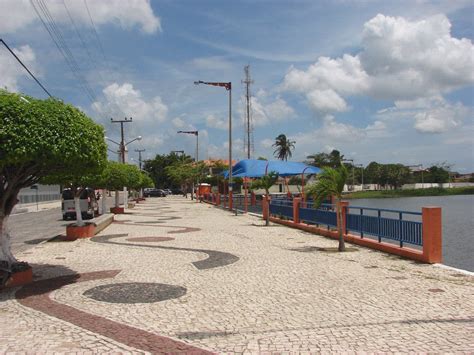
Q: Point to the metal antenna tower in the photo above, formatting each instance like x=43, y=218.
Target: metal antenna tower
x=248, y=138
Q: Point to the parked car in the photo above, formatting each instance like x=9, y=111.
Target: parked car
x=154, y=193
x=87, y=202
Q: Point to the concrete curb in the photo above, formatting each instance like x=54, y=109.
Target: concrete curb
x=103, y=222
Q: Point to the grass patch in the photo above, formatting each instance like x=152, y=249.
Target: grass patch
x=433, y=191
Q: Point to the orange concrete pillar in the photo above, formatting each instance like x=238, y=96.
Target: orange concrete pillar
x=343, y=205
x=246, y=208
x=253, y=200
x=432, y=235
x=265, y=206
x=296, y=209
x=230, y=200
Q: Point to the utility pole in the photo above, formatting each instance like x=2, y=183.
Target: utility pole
x=248, y=139
x=122, y=159
x=122, y=141
x=139, y=151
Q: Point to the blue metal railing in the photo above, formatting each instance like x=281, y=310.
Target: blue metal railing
x=398, y=229
x=282, y=207
x=324, y=215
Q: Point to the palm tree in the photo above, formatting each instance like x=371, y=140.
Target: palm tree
x=331, y=183
x=283, y=146
x=265, y=182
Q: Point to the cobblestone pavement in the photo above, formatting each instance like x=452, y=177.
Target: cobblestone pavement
x=262, y=290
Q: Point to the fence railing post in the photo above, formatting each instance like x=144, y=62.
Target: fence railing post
x=432, y=234
x=230, y=200
x=296, y=209
x=252, y=199
x=218, y=199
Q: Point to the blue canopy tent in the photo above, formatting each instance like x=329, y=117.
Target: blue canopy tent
x=253, y=168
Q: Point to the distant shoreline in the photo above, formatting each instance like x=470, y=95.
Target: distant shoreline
x=435, y=191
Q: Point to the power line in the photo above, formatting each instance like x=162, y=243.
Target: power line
x=89, y=53
x=26, y=68
x=55, y=34
x=95, y=32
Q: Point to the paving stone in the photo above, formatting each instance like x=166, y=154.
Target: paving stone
x=273, y=298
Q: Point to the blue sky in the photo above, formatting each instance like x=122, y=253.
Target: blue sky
x=388, y=81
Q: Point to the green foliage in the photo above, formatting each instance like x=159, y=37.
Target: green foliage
x=49, y=136
x=114, y=176
x=134, y=176
x=265, y=182
x=436, y=174
x=145, y=180
x=284, y=146
x=321, y=160
x=330, y=183
x=45, y=139
x=185, y=173
x=156, y=169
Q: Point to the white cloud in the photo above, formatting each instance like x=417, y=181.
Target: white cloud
x=10, y=69
x=430, y=115
x=399, y=60
x=415, y=59
x=440, y=119
x=212, y=63
x=267, y=142
x=124, y=98
x=178, y=122
x=18, y=14
x=214, y=122
x=326, y=101
x=264, y=111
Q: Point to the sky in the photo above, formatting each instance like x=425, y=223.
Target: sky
x=385, y=81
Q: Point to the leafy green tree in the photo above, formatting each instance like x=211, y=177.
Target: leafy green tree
x=145, y=180
x=265, y=182
x=372, y=173
x=40, y=138
x=437, y=174
x=321, y=160
x=156, y=168
x=115, y=177
x=395, y=175
x=186, y=173
x=331, y=183
x=283, y=146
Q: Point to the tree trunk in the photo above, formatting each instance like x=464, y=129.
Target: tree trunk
x=267, y=219
x=342, y=246
x=77, y=207
x=117, y=199
x=5, y=244
x=104, y=201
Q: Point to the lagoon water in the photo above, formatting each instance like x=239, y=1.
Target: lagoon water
x=457, y=220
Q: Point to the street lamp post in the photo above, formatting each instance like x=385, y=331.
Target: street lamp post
x=228, y=87
x=122, y=149
x=196, y=133
x=139, y=151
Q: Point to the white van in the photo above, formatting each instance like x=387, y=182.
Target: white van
x=88, y=203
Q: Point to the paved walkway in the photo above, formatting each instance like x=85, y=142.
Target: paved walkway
x=175, y=276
